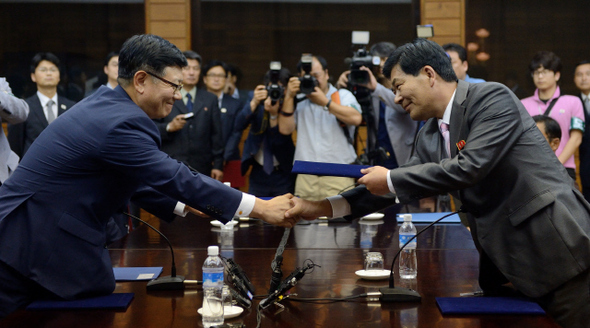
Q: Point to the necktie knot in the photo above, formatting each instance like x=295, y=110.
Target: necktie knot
x=444, y=127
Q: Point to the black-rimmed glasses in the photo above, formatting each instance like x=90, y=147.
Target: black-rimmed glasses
x=175, y=86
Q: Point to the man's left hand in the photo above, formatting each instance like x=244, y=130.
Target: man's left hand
x=375, y=179
x=217, y=174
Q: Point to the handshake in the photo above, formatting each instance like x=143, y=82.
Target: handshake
x=287, y=209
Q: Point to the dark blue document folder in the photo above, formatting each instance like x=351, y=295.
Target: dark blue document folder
x=488, y=305
x=118, y=301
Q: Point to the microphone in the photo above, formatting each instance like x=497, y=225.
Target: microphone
x=400, y=294
x=285, y=285
x=238, y=278
x=171, y=282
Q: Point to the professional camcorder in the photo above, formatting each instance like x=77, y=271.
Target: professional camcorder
x=308, y=82
x=361, y=58
x=275, y=90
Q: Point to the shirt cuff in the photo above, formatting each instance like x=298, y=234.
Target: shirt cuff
x=180, y=209
x=391, y=188
x=246, y=205
x=340, y=206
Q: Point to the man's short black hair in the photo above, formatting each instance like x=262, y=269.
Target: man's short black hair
x=459, y=49
x=211, y=64
x=382, y=49
x=552, y=128
x=547, y=60
x=583, y=62
x=321, y=59
x=189, y=54
x=413, y=56
x=150, y=53
x=109, y=57
x=48, y=56
x=235, y=71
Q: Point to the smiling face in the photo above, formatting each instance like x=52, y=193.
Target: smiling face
x=158, y=96
x=413, y=93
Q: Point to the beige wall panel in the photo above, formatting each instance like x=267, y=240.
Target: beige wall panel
x=174, y=1
x=159, y=12
x=180, y=43
x=442, y=10
x=169, y=29
x=445, y=27
x=446, y=39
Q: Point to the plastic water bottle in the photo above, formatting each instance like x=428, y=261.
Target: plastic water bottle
x=212, y=311
x=408, y=265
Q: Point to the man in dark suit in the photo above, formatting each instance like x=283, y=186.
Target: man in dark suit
x=85, y=166
x=264, y=139
x=529, y=222
x=582, y=81
x=44, y=106
x=214, y=77
x=196, y=140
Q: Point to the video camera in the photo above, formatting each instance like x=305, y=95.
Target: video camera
x=361, y=58
x=308, y=82
x=275, y=90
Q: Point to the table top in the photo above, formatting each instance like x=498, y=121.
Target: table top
x=447, y=266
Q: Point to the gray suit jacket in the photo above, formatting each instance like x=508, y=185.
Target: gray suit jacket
x=524, y=210
x=12, y=110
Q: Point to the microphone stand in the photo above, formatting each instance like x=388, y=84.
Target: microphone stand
x=400, y=294
x=171, y=282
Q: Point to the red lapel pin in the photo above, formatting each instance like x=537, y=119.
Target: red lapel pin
x=460, y=144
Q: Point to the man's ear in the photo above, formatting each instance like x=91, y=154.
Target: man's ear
x=557, y=76
x=430, y=74
x=139, y=81
x=554, y=144
x=33, y=78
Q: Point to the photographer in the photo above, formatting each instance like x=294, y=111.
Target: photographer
x=269, y=153
x=394, y=128
x=320, y=136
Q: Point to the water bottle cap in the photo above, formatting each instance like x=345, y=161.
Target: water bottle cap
x=213, y=250
x=407, y=217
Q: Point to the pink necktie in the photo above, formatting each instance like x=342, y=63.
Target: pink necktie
x=444, y=129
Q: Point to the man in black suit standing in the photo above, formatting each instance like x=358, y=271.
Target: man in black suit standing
x=45, y=106
x=195, y=139
x=215, y=75
x=582, y=80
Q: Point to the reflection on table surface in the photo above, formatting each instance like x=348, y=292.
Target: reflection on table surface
x=447, y=266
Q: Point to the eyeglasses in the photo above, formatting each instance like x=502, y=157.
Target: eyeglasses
x=45, y=70
x=175, y=86
x=543, y=72
x=216, y=76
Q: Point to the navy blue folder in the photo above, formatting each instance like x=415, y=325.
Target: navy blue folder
x=118, y=301
x=329, y=169
x=488, y=305
x=430, y=217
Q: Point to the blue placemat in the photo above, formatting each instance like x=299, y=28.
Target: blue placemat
x=329, y=169
x=136, y=273
x=488, y=305
x=118, y=301
x=430, y=217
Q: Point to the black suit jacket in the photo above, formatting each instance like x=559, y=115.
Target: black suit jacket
x=21, y=136
x=230, y=107
x=585, y=155
x=200, y=142
x=524, y=211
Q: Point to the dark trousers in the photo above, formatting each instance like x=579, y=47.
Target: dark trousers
x=17, y=291
x=276, y=184
x=569, y=304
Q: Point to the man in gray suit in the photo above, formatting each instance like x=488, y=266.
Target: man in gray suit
x=529, y=222
x=12, y=110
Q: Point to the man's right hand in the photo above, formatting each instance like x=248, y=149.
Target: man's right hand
x=292, y=87
x=273, y=211
x=176, y=124
x=309, y=210
x=343, y=80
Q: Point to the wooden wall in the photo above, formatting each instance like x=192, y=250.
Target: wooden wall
x=447, y=18
x=170, y=19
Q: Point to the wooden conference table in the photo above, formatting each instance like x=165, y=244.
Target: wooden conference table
x=447, y=266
